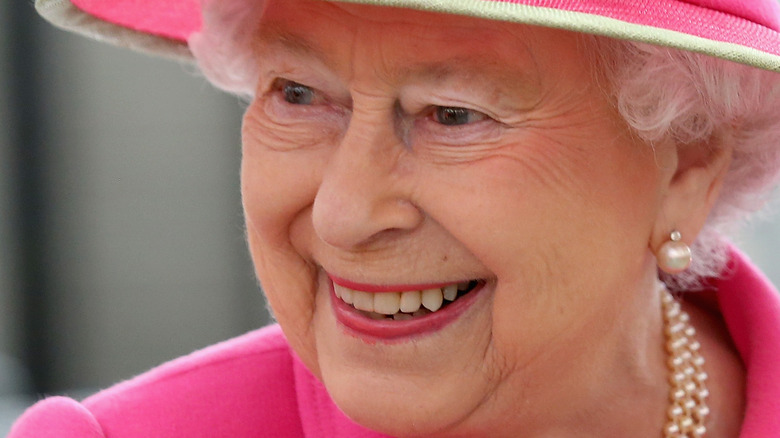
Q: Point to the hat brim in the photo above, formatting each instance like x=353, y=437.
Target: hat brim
x=669, y=23
x=67, y=16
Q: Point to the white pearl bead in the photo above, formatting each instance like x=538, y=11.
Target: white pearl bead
x=701, y=412
x=687, y=412
x=674, y=257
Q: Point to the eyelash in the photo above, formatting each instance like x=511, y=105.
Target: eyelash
x=291, y=90
x=434, y=121
x=453, y=116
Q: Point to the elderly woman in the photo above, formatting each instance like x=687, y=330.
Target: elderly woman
x=468, y=215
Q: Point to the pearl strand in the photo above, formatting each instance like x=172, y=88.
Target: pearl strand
x=687, y=390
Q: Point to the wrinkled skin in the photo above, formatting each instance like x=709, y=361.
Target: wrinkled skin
x=351, y=166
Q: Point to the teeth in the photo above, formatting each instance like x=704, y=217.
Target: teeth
x=450, y=292
x=347, y=295
x=387, y=303
x=363, y=300
x=432, y=299
x=400, y=306
x=411, y=301
x=343, y=293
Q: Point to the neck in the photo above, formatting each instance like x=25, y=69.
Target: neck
x=618, y=388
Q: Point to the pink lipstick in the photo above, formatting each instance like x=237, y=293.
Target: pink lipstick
x=385, y=328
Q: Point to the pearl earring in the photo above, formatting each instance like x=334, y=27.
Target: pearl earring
x=674, y=256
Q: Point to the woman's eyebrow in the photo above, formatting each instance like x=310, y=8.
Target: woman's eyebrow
x=481, y=68
x=449, y=68
x=273, y=36
x=481, y=72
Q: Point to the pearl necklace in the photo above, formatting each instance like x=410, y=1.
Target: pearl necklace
x=687, y=390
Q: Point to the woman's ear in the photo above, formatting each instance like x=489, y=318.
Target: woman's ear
x=696, y=176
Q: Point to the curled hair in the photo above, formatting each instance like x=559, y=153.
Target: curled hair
x=662, y=93
x=224, y=48
x=690, y=98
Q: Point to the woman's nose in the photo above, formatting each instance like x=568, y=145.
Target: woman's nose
x=365, y=189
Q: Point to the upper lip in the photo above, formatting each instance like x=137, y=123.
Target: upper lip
x=385, y=287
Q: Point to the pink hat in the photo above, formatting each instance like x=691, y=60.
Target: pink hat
x=745, y=31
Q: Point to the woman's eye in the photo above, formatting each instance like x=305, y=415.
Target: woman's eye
x=454, y=116
x=297, y=94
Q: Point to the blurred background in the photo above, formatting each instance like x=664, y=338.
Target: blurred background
x=121, y=238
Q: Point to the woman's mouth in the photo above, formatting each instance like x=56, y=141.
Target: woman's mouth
x=391, y=312
x=403, y=306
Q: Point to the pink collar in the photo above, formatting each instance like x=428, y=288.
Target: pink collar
x=751, y=308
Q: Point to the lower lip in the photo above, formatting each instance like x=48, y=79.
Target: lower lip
x=390, y=330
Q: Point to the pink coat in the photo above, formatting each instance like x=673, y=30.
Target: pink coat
x=254, y=386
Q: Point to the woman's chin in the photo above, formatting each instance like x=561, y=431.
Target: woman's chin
x=400, y=409
x=417, y=386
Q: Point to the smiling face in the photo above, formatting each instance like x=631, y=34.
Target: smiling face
x=395, y=151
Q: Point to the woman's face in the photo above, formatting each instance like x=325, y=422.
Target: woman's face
x=394, y=150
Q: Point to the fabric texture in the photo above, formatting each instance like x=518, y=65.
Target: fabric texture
x=254, y=386
x=745, y=31
x=765, y=13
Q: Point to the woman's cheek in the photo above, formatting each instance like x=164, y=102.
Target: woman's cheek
x=290, y=284
x=281, y=165
x=279, y=179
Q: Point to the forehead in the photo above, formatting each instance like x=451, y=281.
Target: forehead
x=324, y=30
